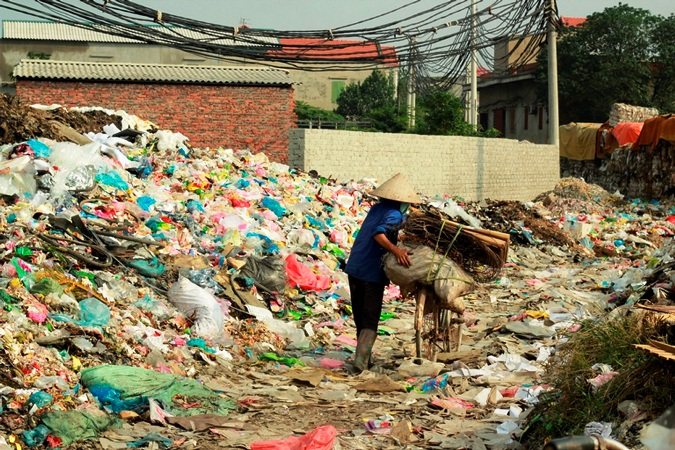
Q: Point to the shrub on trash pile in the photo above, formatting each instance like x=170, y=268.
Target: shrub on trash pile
x=574, y=401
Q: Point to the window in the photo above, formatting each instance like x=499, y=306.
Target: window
x=337, y=86
x=526, y=117
x=484, y=120
x=541, y=117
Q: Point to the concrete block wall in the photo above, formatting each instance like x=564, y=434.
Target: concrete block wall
x=253, y=117
x=473, y=168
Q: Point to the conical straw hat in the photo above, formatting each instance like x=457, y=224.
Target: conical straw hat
x=397, y=188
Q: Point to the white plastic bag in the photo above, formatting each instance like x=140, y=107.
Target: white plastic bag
x=452, y=281
x=405, y=277
x=17, y=177
x=428, y=268
x=200, y=304
x=296, y=337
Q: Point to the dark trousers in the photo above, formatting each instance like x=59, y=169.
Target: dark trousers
x=366, y=303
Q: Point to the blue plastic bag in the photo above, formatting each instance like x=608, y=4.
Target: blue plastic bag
x=145, y=202
x=40, y=149
x=93, y=313
x=274, y=206
x=113, y=179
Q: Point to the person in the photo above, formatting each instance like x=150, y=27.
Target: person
x=365, y=269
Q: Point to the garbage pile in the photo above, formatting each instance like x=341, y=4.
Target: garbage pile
x=149, y=286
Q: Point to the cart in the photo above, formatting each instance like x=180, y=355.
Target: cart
x=438, y=329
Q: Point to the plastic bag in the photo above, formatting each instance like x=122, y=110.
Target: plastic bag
x=321, y=438
x=274, y=206
x=136, y=382
x=198, y=303
x=93, y=313
x=167, y=140
x=71, y=426
x=268, y=273
x=405, y=277
x=17, y=177
x=295, y=336
x=429, y=268
x=303, y=277
x=452, y=281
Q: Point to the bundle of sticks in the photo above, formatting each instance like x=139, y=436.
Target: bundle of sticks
x=480, y=252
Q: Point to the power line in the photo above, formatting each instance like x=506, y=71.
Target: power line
x=441, y=31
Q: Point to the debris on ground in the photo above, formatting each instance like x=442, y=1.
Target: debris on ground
x=155, y=294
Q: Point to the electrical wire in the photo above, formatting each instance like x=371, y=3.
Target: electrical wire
x=436, y=39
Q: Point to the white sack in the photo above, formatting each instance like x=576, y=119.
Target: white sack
x=200, y=305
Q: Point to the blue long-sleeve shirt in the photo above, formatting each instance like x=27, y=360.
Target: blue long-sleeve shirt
x=365, y=259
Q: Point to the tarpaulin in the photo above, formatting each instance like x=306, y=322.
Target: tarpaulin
x=578, y=140
x=656, y=128
x=627, y=132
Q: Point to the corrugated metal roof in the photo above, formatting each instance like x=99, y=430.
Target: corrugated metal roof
x=50, y=31
x=74, y=70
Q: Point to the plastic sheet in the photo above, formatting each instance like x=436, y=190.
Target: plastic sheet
x=17, y=177
x=71, y=426
x=93, y=313
x=268, y=273
x=136, y=382
x=299, y=275
x=321, y=438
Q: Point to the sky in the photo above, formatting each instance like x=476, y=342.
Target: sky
x=326, y=14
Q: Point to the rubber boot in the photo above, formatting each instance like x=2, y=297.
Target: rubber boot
x=364, y=347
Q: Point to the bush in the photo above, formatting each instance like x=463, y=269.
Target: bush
x=305, y=111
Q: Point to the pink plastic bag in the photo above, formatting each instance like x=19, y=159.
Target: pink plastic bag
x=321, y=438
x=303, y=277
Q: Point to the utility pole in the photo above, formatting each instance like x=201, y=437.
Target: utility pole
x=473, y=102
x=411, y=85
x=551, y=36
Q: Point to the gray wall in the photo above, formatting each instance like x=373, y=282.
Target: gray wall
x=473, y=168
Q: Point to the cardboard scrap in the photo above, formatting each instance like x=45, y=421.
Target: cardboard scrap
x=402, y=432
x=309, y=376
x=381, y=383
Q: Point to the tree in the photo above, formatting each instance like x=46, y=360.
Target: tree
x=373, y=98
x=603, y=61
x=664, y=68
x=441, y=113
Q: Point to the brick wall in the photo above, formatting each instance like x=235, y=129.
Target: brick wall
x=254, y=117
x=473, y=168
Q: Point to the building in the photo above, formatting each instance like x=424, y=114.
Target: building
x=233, y=107
x=356, y=60
x=508, y=98
x=340, y=61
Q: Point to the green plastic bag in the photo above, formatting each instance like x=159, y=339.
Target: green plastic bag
x=134, y=382
x=73, y=425
x=47, y=286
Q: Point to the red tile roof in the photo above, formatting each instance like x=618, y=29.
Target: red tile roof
x=335, y=50
x=572, y=21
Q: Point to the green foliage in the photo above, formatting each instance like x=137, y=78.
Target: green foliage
x=305, y=111
x=442, y=113
x=373, y=99
x=604, y=61
x=41, y=55
x=387, y=119
x=664, y=68
x=351, y=103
